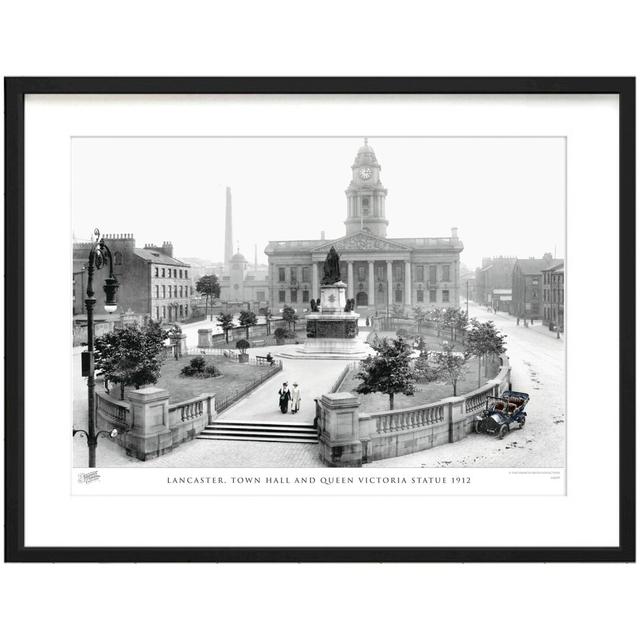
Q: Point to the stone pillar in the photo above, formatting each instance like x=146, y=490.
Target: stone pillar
x=204, y=338
x=315, y=290
x=407, y=283
x=350, y=279
x=372, y=285
x=340, y=444
x=390, y=282
x=150, y=435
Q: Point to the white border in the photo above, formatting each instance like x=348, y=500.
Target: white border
x=587, y=516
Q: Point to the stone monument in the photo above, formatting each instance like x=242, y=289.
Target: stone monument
x=332, y=327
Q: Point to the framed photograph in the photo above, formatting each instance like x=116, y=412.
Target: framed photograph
x=320, y=319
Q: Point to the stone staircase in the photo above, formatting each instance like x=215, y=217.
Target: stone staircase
x=298, y=432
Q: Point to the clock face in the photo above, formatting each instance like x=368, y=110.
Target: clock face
x=365, y=173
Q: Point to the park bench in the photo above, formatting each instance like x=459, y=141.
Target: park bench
x=262, y=360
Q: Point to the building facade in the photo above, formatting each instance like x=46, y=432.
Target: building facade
x=152, y=282
x=494, y=274
x=242, y=284
x=553, y=296
x=379, y=272
x=527, y=286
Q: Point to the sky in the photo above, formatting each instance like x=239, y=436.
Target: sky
x=505, y=195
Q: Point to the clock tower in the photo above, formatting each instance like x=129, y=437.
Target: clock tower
x=366, y=195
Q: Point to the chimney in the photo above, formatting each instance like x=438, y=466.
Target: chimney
x=167, y=249
x=454, y=232
x=322, y=235
x=228, y=230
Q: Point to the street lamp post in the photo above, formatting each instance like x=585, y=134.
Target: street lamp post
x=98, y=256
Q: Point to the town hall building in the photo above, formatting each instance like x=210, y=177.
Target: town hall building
x=379, y=272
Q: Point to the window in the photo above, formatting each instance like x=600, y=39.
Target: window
x=281, y=276
x=420, y=295
x=365, y=206
x=169, y=287
x=294, y=275
x=181, y=311
x=157, y=313
x=163, y=276
x=380, y=270
x=398, y=295
x=361, y=273
x=164, y=312
x=180, y=273
x=446, y=273
x=294, y=295
x=420, y=273
x=175, y=273
x=156, y=275
x=157, y=291
x=117, y=258
x=432, y=295
x=281, y=295
x=433, y=273
x=175, y=291
x=445, y=295
x=305, y=295
x=397, y=271
x=306, y=274
x=164, y=292
x=186, y=273
x=260, y=296
x=181, y=291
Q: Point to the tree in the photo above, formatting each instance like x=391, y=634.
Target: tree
x=210, y=288
x=225, y=320
x=483, y=340
x=242, y=345
x=435, y=315
x=289, y=316
x=131, y=356
x=389, y=370
x=247, y=319
x=448, y=366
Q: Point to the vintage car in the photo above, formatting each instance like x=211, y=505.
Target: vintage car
x=503, y=413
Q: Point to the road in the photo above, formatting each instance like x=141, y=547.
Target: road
x=538, y=368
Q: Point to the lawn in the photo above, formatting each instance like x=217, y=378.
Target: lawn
x=424, y=394
x=235, y=377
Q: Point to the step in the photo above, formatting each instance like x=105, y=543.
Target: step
x=263, y=423
x=261, y=435
x=286, y=440
x=262, y=429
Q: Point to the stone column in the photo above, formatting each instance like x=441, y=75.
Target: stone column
x=407, y=283
x=204, y=338
x=339, y=426
x=372, y=285
x=315, y=291
x=390, y=282
x=350, y=279
x=150, y=435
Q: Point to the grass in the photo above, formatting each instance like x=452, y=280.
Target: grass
x=235, y=377
x=424, y=394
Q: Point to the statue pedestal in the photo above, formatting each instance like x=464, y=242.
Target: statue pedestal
x=332, y=330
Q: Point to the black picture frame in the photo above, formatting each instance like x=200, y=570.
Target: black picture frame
x=15, y=91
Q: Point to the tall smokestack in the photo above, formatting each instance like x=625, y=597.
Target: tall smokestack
x=228, y=231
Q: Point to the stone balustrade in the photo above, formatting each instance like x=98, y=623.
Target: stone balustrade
x=350, y=438
x=148, y=426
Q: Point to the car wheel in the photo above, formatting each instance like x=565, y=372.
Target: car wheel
x=477, y=427
x=522, y=422
x=504, y=429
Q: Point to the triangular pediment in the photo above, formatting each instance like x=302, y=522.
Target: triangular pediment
x=362, y=241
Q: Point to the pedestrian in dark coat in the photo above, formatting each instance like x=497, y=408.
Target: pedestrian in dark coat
x=285, y=398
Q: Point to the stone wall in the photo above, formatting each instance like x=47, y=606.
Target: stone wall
x=148, y=425
x=349, y=437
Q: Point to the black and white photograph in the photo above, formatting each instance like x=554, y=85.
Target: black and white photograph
x=353, y=301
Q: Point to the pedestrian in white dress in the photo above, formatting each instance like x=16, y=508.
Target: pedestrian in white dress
x=295, y=398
